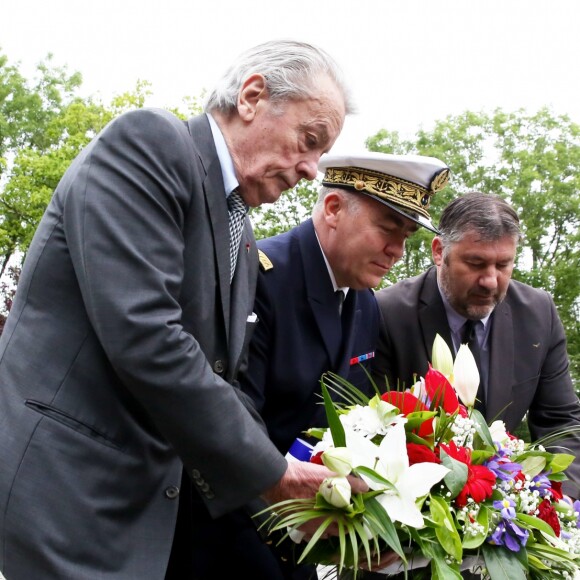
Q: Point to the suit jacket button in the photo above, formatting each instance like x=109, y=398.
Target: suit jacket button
x=218, y=366
x=172, y=492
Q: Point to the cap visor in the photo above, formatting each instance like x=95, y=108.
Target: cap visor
x=418, y=219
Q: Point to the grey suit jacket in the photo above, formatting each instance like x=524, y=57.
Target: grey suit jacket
x=115, y=359
x=528, y=359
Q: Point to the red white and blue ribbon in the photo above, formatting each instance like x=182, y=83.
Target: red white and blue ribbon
x=358, y=359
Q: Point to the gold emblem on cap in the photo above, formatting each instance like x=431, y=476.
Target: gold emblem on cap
x=401, y=192
x=440, y=180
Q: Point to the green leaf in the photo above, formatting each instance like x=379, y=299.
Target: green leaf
x=336, y=428
x=481, y=428
x=372, y=474
x=502, y=564
x=446, y=531
x=417, y=418
x=470, y=542
x=315, y=537
x=552, y=553
x=533, y=465
x=478, y=456
x=442, y=570
x=536, y=563
x=380, y=520
x=560, y=462
x=348, y=393
x=360, y=531
x=535, y=523
x=316, y=432
x=457, y=477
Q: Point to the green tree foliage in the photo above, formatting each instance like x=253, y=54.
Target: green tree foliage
x=293, y=207
x=533, y=161
x=44, y=124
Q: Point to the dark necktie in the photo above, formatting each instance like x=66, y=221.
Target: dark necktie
x=340, y=300
x=469, y=336
x=237, y=211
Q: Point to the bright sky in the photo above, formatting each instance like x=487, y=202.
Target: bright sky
x=409, y=62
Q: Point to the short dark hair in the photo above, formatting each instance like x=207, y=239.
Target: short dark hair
x=489, y=215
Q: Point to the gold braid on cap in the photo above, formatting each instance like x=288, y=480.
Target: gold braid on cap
x=388, y=187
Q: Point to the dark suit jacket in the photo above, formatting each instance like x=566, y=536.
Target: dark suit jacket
x=298, y=337
x=528, y=359
x=115, y=357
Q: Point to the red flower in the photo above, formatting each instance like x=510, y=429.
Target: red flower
x=441, y=393
x=407, y=403
x=421, y=454
x=440, y=390
x=547, y=513
x=556, y=489
x=480, y=480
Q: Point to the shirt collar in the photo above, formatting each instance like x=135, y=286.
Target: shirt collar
x=225, y=159
x=345, y=289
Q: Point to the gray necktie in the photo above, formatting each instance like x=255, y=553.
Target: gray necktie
x=237, y=211
x=469, y=336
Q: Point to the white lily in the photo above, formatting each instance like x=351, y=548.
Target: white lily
x=372, y=419
x=465, y=376
x=442, y=357
x=338, y=459
x=336, y=491
x=390, y=460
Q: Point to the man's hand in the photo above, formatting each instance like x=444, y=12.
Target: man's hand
x=302, y=480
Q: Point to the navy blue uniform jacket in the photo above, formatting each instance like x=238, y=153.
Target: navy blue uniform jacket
x=299, y=335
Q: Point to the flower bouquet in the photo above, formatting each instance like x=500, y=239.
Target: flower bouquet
x=445, y=490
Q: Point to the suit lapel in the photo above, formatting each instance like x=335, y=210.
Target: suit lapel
x=215, y=199
x=243, y=288
x=319, y=290
x=432, y=317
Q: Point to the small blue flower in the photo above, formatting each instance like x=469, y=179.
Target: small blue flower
x=542, y=484
x=508, y=534
x=506, y=507
x=503, y=469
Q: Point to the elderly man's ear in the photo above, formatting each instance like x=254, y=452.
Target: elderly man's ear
x=252, y=92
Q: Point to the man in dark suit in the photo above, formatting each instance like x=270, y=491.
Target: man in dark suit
x=522, y=346
x=368, y=206
x=118, y=357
